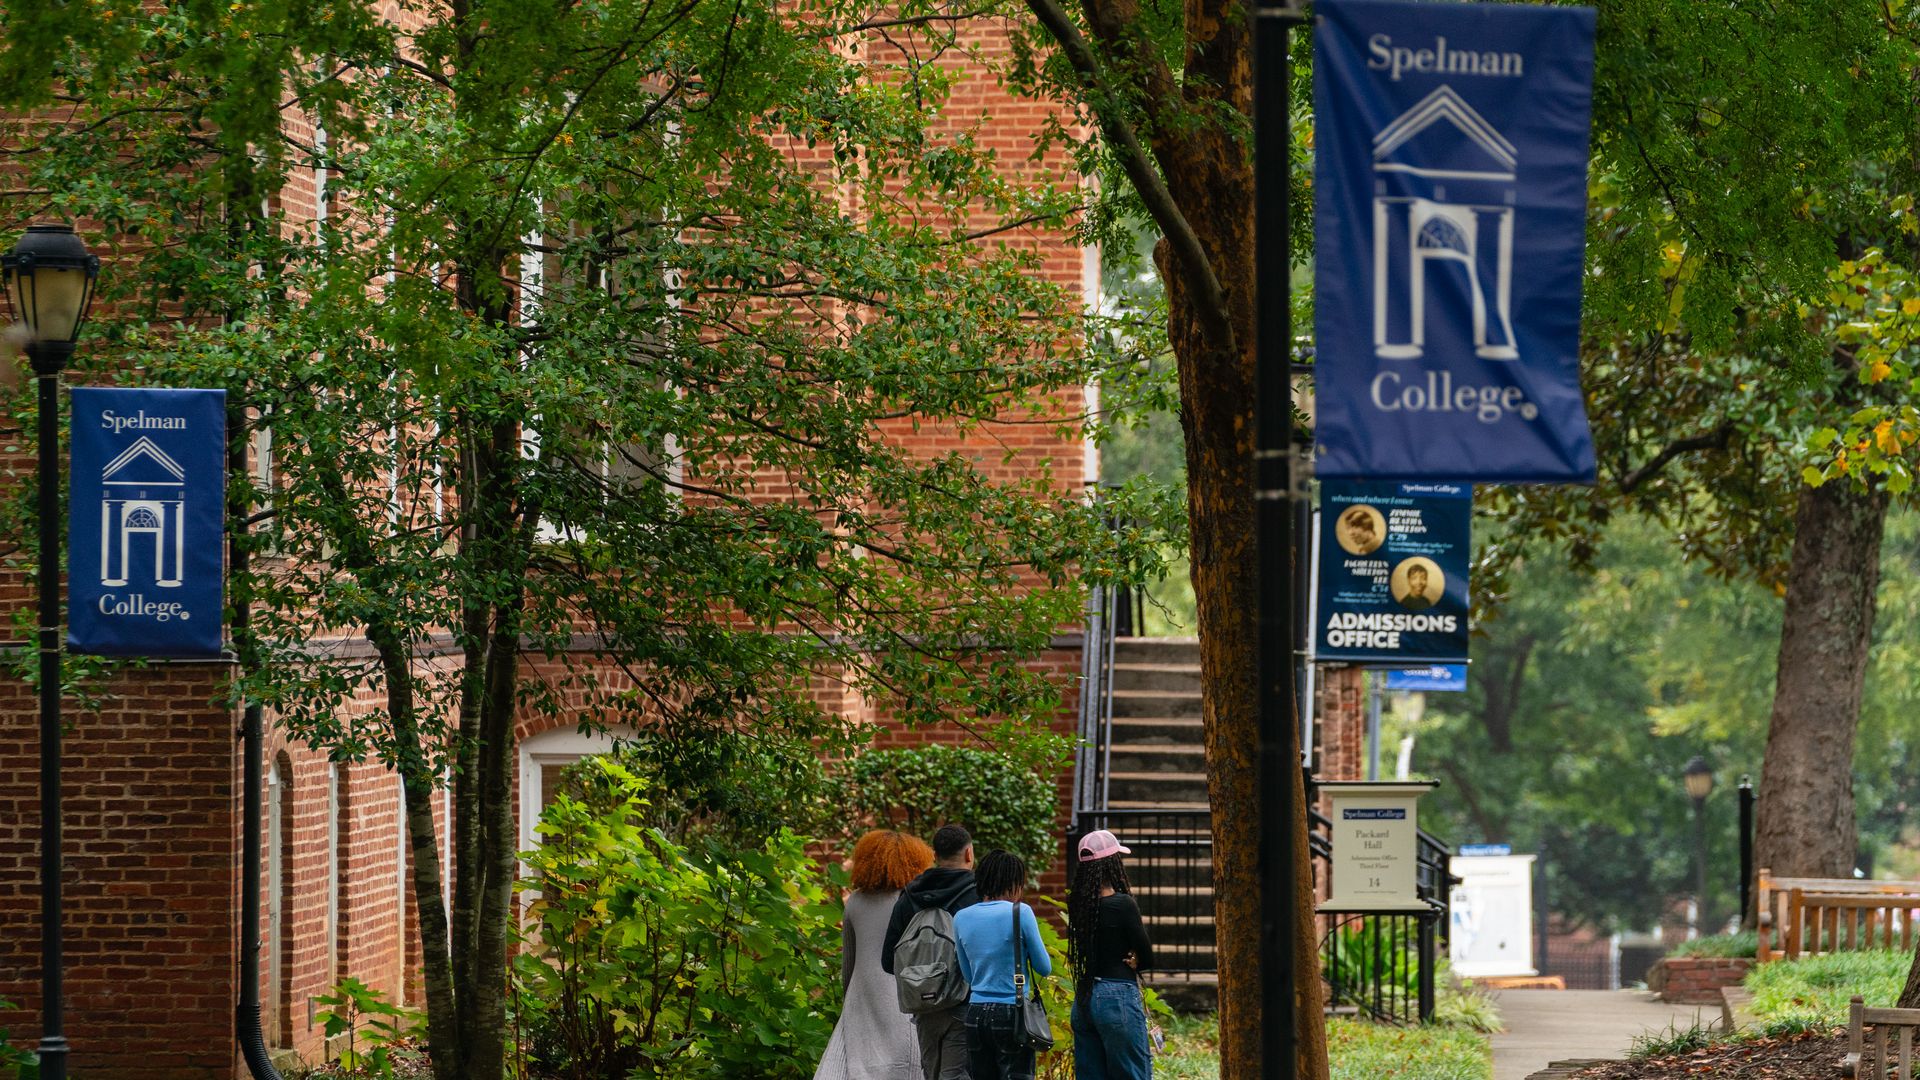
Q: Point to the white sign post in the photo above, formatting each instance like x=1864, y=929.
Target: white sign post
x=1492, y=916
x=1375, y=837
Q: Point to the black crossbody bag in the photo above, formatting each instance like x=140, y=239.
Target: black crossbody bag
x=1031, y=1026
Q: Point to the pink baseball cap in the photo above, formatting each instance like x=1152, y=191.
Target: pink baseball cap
x=1099, y=844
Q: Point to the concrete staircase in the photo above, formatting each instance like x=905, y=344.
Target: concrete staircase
x=1158, y=762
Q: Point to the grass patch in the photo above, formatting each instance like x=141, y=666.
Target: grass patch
x=1816, y=990
x=1358, y=1051
x=1362, y=1051
x=1193, y=1048
x=1673, y=1040
x=1743, y=945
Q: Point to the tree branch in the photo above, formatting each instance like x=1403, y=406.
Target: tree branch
x=1139, y=166
x=1717, y=439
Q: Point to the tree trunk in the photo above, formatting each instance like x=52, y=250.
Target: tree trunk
x=1804, y=825
x=1213, y=182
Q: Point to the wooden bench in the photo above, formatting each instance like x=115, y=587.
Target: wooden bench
x=1867, y=1051
x=1809, y=916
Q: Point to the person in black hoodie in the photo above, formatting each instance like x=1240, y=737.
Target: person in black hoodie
x=948, y=884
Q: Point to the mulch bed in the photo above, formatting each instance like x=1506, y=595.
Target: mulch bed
x=1801, y=1057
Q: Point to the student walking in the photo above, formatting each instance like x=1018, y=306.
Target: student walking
x=987, y=950
x=874, y=1040
x=949, y=887
x=1107, y=947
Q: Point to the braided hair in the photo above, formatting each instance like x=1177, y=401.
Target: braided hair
x=1090, y=879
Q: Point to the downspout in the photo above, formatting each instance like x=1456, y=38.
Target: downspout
x=246, y=1012
x=253, y=1043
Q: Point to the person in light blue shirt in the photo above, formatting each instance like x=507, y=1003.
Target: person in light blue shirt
x=986, y=951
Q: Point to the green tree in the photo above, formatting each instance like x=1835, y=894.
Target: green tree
x=588, y=387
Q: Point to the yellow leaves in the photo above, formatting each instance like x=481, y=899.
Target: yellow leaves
x=1911, y=305
x=1885, y=438
x=1879, y=371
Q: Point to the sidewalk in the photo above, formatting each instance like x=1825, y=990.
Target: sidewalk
x=1545, y=1026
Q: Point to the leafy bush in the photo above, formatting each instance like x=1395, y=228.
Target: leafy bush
x=1370, y=953
x=738, y=786
x=15, y=1062
x=1742, y=945
x=1458, y=1005
x=1816, y=989
x=676, y=961
x=1002, y=802
x=368, y=1020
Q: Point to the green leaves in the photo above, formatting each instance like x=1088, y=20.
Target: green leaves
x=678, y=960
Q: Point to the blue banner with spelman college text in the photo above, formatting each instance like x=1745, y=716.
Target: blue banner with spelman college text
x=1450, y=193
x=1393, y=572
x=146, y=572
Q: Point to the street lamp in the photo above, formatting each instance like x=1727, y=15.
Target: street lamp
x=1698, y=777
x=49, y=280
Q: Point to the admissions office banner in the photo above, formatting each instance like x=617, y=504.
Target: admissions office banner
x=146, y=573
x=1450, y=193
x=1393, y=572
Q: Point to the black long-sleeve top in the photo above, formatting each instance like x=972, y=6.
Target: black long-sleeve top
x=1119, y=932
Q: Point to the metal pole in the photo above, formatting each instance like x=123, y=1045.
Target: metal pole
x=49, y=358
x=1375, y=693
x=1699, y=865
x=1273, y=491
x=1746, y=850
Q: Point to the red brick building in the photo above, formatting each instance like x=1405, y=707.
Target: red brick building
x=153, y=787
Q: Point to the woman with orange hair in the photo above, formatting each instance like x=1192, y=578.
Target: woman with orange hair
x=874, y=1040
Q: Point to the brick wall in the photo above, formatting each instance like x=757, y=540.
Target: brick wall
x=151, y=815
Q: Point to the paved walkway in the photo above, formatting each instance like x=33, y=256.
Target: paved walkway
x=1553, y=1025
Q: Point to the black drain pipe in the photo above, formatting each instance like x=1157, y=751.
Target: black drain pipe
x=246, y=1011
x=246, y=1015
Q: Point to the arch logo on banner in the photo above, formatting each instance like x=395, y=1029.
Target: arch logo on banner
x=1450, y=221
x=146, y=573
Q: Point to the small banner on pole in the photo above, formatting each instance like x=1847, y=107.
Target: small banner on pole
x=146, y=572
x=1450, y=196
x=1443, y=678
x=1393, y=572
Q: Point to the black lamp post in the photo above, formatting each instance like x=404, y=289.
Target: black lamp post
x=49, y=285
x=1699, y=780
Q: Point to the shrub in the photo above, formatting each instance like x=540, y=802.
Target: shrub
x=1742, y=945
x=15, y=1062
x=738, y=786
x=681, y=961
x=1374, y=953
x=372, y=1024
x=1003, y=803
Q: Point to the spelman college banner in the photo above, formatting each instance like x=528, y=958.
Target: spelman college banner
x=1450, y=145
x=1393, y=572
x=145, y=572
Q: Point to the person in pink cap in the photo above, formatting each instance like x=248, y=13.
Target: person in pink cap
x=1107, y=947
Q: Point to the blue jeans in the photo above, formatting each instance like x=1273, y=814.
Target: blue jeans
x=1110, y=1033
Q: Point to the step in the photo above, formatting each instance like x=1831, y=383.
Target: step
x=1184, y=730
x=1182, y=677
x=1149, y=804
x=1156, y=704
x=1156, y=757
x=1157, y=650
x=1157, y=788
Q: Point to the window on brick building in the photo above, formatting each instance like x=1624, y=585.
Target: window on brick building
x=543, y=759
x=279, y=929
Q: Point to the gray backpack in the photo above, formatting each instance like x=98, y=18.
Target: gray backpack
x=926, y=964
